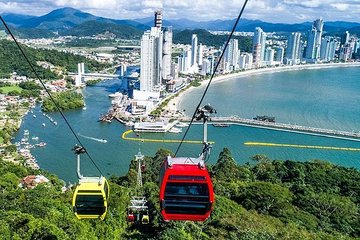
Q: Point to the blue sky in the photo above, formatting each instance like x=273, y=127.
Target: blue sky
x=286, y=11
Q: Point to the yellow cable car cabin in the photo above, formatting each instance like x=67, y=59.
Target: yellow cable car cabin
x=145, y=219
x=90, y=198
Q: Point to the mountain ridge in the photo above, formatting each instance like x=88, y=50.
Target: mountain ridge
x=63, y=19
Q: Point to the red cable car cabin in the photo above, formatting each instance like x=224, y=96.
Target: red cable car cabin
x=186, y=191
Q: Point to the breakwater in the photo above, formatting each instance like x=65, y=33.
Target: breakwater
x=352, y=136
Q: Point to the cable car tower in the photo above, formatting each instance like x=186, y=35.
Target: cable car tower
x=138, y=212
x=90, y=199
x=186, y=190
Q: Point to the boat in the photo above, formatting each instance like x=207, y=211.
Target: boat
x=42, y=144
x=34, y=115
x=264, y=118
x=175, y=130
x=220, y=125
x=181, y=124
x=116, y=94
x=43, y=124
x=26, y=132
x=150, y=127
x=55, y=123
x=102, y=140
x=129, y=124
x=35, y=138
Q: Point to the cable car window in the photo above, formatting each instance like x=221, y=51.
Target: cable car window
x=187, y=178
x=187, y=189
x=186, y=198
x=90, y=204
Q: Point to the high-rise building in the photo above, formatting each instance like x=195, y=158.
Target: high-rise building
x=257, y=55
x=231, y=55
x=259, y=44
x=311, y=45
x=205, y=67
x=155, y=65
x=269, y=56
x=166, y=59
x=200, y=54
x=194, y=48
x=325, y=49
x=293, y=49
x=352, y=44
x=345, y=53
x=357, y=46
x=151, y=59
x=314, y=41
x=333, y=46
x=184, y=61
x=279, y=55
x=345, y=38
x=245, y=61
x=79, y=77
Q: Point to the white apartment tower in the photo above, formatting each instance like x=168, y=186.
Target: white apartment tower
x=314, y=40
x=166, y=59
x=269, y=56
x=231, y=55
x=293, y=49
x=151, y=59
x=200, y=54
x=279, y=55
x=194, y=48
x=155, y=65
x=259, y=44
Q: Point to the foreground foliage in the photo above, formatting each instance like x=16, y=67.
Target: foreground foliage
x=266, y=200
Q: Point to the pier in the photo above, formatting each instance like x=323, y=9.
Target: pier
x=352, y=136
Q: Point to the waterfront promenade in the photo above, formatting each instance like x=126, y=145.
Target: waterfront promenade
x=352, y=136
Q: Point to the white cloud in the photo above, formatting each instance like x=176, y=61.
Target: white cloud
x=340, y=6
x=152, y=4
x=289, y=11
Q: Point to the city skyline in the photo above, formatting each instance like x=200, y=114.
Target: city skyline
x=284, y=11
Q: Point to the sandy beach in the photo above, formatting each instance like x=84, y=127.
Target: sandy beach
x=174, y=103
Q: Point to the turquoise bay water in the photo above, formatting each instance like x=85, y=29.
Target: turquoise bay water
x=327, y=98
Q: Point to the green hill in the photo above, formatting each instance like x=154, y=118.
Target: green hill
x=91, y=28
x=12, y=61
x=266, y=200
x=206, y=38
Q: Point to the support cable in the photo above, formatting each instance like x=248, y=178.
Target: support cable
x=212, y=76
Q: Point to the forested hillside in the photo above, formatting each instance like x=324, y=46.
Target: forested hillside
x=12, y=61
x=206, y=38
x=263, y=199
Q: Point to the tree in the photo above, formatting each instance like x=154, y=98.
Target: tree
x=226, y=168
x=265, y=197
x=10, y=149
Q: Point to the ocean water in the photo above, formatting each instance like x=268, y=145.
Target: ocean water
x=327, y=98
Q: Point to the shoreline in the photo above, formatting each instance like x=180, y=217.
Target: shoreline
x=173, y=104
